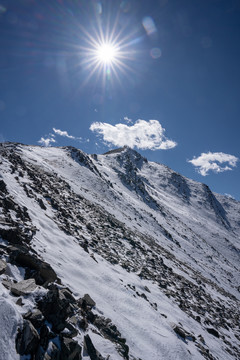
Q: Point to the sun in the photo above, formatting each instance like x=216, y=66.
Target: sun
x=107, y=53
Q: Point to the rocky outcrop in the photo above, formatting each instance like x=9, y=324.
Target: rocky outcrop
x=27, y=339
x=40, y=270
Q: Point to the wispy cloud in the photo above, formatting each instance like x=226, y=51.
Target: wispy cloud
x=63, y=133
x=46, y=141
x=216, y=162
x=50, y=138
x=142, y=135
x=127, y=119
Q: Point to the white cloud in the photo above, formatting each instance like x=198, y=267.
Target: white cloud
x=63, y=133
x=46, y=141
x=127, y=119
x=142, y=135
x=214, y=162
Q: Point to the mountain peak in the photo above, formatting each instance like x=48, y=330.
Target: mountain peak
x=116, y=151
x=126, y=153
x=88, y=244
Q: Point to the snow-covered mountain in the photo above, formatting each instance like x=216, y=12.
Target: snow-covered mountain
x=114, y=257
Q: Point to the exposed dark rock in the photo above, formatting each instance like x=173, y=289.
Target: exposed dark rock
x=90, y=349
x=41, y=203
x=27, y=339
x=71, y=350
x=111, y=332
x=68, y=295
x=36, y=318
x=43, y=274
x=56, y=308
x=183, y=334
x=88, y=300
x=13, y=235
x=41, y=354
x=55, y=353
x=213, y=332
x=180, y=332
x=83, y=324
x=44, y=336
x=3, y=187
x=70, y=331
x=19, y=301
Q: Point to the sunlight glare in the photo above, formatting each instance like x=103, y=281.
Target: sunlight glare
x=106, y=53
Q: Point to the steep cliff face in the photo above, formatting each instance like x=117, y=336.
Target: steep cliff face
x=114, y=257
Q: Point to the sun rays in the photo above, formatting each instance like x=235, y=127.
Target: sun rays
x=107, y=53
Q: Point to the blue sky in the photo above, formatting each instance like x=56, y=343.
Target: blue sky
x=176, y=68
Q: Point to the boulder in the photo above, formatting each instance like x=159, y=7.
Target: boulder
x=213, y=332
x=3, y=186
x=27, y=339
x=180, y=332
x=86, y=302
x=24, y=287
x=3, y=266
x=13, y=235
x=36, y=318
x=71, y=350
x=70, y=331
x=42, y=271
x=47, y=273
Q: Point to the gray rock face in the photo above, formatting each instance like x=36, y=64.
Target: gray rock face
x=23, y=287
x=89, y=301
x=44, y=274
x=3, y=266
x=36, y=318
x=70, y=350
x=56, y=308
x=27, y=339
x=90, y=349
x=7, y=284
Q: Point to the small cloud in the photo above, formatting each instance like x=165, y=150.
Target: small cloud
x=50, y=138
x=142, y=135
x=63, y=133
x=213, y=162
x=46, y=141
x=127, y=119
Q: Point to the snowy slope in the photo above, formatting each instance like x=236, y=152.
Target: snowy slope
x=155, y=250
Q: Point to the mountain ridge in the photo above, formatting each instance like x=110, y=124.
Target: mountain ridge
x=164, y=243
